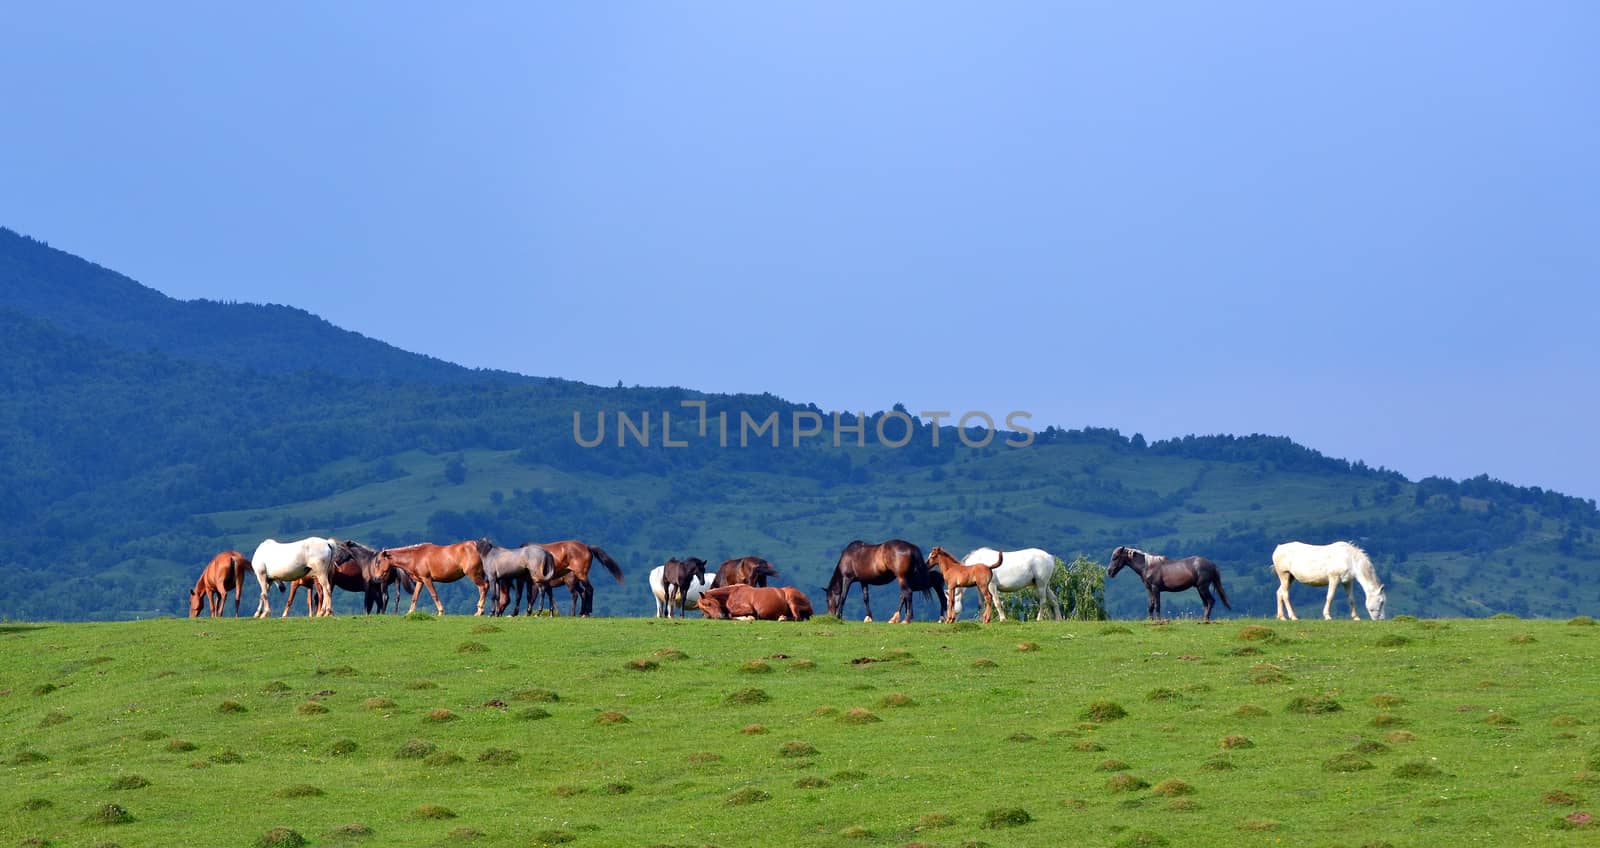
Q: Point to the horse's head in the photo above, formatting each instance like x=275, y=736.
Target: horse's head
x=195, y=599
x=483, y=545
x=1377, y=604
x=937, y=557
x=697, y=568
x=1121, y=557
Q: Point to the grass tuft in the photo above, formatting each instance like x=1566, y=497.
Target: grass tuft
x=498, y=756
x=796, y=748
x=299, y=790
x=442, y=758
x=1393, y=640
x=542, y=696
x=276, y=687
x=617, y=788
x=642, y=665
x=462, y=834
x=1250, y=711
x=419, y=685
x=1259, y=825
x=611, y=717
x=472, y=648
x=1005, y=817
x=109, y=814
x=280, y=837
x=859, y=715
x=1218, y=763
x=1172, y=787
x=984, y=662
x=532, y=713
x=1318, y=704
x=1386, y=701
x=227, y=707
x=703, y=757
x=1346, y=763
x=1111, y=764
x=1027, y=648
x=671, y=654
x=1256, y=633
x=336, y=671
x=753, y=729
x=378, y=704
x=1417, y=770
x=551, y=837
x=1234, y=741
x=1087, y=745
x=440, y=716
x=433, y=811
x=486, y=628
x=1500, y=719
x=353, y=829
x=1125, y=782
x=130, y=781
x=1103, y=711
x=1581, y=621
x=855, y=831
x=180, y=745
x=1142, y=839
x=1560, y=798
x=747, y=696
x=896, y=699
x=1370, y=746
x=746, y=796
x=755, y=667
x=1163, y=693
x=812, y=783
x=1020, y=736
x=311, y=708
x=415, y=749
x=36, y=804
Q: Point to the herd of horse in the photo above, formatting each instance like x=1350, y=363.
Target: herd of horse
x=738, y=589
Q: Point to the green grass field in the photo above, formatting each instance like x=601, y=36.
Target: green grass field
x=458, y=731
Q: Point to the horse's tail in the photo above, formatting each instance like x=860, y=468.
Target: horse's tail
x=606, y=560
x=1217, y=580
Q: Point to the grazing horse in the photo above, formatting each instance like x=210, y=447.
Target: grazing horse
x=677, y=575
x=958, y=576
x=1170, y=575
x=225, y=571
x=750, y=571
x=429, y=563
x=282, y=562
x=876, y=565
x=1029, y=567
x=544, y=593
x=576, y=557
x=513, y=572
x=1332, y=565
x=690, y=595
x=760, y=603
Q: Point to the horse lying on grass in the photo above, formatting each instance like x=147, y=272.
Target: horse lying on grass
x=756, y=603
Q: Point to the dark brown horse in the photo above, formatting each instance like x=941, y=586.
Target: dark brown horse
x=226, y=571
x=355, y=567
x=958, y=576
x=876, y=565
x=575, y=557
x=754, y=602
x=750, y=571
x=354, y=571
x=677, y=575
x=1170, y=575
x=429, y=563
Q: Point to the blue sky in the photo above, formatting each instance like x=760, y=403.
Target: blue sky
x=1371, y=227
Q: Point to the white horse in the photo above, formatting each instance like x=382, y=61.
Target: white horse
x=1331, y=566
x=288, y=561
x=1019, y=570
x=696, y=586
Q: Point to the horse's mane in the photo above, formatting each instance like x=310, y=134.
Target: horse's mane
x=404, y=548
x=1149, y=558
x=1364, y=567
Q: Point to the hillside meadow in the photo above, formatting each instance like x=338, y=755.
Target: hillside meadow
x=423, y=731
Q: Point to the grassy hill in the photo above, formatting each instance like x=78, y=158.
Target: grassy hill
x=638, y=732
x=132, y=451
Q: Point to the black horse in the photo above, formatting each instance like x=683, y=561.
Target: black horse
x=1170, y=575
x=677, y=575
x=353, y=563
x=876, y=565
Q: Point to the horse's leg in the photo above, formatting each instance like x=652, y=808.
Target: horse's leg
x=866, y=599
x=483, y=592
x=1155, y=603
x=433, y=593
x=994, y=598
x=1350, y=594
x=325, y=581
x=1284, y=579
x=1047, y=599
x=1206, y=600
x=984, y=587
x=957, y=594
x=288, y=603
x=1327, y=608
x=905, y=603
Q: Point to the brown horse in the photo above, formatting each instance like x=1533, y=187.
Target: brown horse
x=750, y=571
x=958, y=576
x=750, y=602
x=429, y=563
x=544, y=593
x=799, y=604
x=225, y=571
x=575, y=557
x=876, y=565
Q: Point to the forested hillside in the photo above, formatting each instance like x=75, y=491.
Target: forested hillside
x=132, y=449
